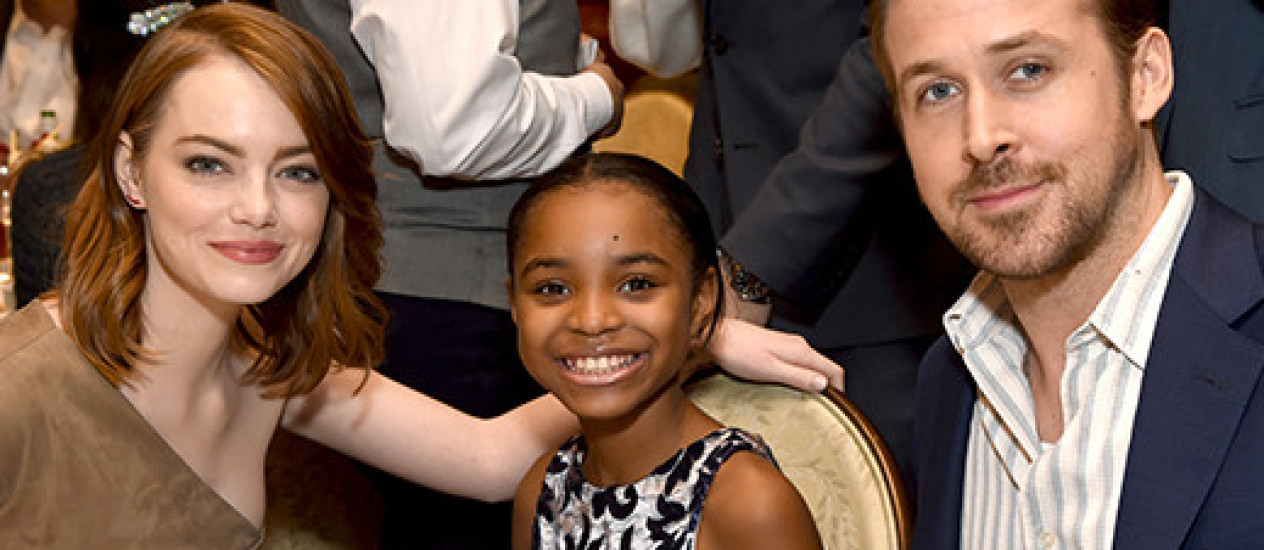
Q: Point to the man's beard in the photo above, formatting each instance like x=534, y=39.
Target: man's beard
x=1050, y=236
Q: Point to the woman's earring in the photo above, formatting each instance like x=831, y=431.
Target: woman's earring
x=133, y=201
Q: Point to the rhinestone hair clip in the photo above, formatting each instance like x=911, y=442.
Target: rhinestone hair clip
x=144, y=23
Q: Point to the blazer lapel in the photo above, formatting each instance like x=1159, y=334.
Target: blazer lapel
x=1198, y=380
x=945, y=406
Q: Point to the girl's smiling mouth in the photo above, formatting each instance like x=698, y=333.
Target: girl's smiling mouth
x=599, y=365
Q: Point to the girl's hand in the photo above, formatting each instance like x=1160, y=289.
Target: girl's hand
x=765, y=355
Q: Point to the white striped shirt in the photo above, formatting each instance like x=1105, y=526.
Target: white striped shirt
x=1020, y=493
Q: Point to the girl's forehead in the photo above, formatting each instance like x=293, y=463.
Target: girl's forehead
x=617, y=202
x=615, y=211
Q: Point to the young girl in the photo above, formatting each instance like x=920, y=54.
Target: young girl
x=614, y=287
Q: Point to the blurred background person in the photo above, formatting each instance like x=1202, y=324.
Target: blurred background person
x=468, y=101
x=35, y=68
x=1211, y=128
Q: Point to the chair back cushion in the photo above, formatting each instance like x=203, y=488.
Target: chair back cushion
x=828, y=450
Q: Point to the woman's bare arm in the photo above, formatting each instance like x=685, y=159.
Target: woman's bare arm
x=418, y=438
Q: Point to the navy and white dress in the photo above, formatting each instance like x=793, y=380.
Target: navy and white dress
x=660, y=511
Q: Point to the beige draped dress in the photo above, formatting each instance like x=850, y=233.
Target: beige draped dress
x=81, y=468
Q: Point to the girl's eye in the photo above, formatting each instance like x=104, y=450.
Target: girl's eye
x=938, y=91
x=205, y=165
x=304, y=174
x=1029, y=71
x=551, y=288
x=636, y=284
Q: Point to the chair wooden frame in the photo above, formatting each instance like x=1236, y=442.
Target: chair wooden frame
x=885, y=463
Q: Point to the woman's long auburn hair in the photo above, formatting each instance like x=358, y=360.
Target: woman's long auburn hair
x=328, y=315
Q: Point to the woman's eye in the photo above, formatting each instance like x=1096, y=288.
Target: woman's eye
x=636, y=284
x=304, y=174
x=938, y=91
x=204, y=165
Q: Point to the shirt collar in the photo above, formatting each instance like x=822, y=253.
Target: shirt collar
x=983, y=313
x=1124, y=317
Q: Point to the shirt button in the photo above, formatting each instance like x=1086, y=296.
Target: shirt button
x=1047, y=539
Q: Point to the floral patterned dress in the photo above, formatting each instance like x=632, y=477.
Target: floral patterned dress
x=660, y=511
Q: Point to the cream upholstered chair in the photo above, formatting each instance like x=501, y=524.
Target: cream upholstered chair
x=827, y=448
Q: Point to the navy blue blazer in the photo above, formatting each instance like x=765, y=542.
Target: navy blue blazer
x=1195, y=468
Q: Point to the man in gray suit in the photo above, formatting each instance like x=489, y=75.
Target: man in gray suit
x=473, y=99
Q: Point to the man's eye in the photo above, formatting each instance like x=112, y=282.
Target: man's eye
x=1029, y=71
x=636, y=284
x=938, y=91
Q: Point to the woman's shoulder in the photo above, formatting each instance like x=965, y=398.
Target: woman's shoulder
x=27, y=366
x=37, y=358
x=22, y=333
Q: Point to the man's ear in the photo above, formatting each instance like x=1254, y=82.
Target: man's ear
x=1152, y=75
x=126, y=172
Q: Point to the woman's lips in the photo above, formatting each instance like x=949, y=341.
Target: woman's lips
x=249, y=252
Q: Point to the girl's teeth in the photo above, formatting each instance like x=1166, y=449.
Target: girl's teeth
x=598, y=365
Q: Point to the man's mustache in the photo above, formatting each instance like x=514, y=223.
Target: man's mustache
x=1006, y=172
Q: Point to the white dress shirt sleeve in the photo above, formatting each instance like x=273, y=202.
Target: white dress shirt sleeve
x=36, y=73
x=663, y=37
x=458, y=102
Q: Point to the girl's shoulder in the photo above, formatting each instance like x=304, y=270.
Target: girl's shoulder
x=751, y=504
x=527, y=501
x=720, y=446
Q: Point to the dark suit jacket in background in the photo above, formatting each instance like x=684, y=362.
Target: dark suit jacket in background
x=835, y=226
x=1195, y=468
x=1213, y=127
x=796, y=155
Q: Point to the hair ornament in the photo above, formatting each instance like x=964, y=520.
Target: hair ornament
x=144, y=23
